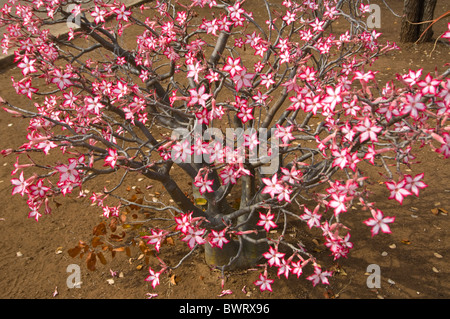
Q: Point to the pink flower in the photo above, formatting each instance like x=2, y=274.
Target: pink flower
x=379, y=222
x=122, y=13
x=20, y=185
x=181, y=151
x=120, y=90
x=341, y=158
x=297, y=268
x=267, y=80
x=204, y=184
x=273, y=257
x=233, y=66
x=338, y=203
x=251, y=141
x=272, y=186
x=27, y=65
x=198, y=96
x=398, y=190
x=445, y=147
x=34, y=212
x=218, y=239
x=285, y=195
x=155, y=238
x=68, y=173
x=61, y=80
x=413, y=105
x=364, y=77
x=194, y=70
x=245, y=114
x=319, y=275
x=429, y=85
x=446, y=35
x=264, y=283
x=38, y=189
x=93, y=105
x=312, y=218
x=284, y=269
x=235, y=11
x=414, y=183
x=212, y=76
x=112, y=157
x=266, y=220
x=153, y=277
x=194, y=236
x=368, y=130
x=317, y=25
x=285, y=133
x=333, y=96
x=184, y=222
x=243, y=79
x=25, y=88
x=412, y=77
x=98, y=15
x=289, y=17
x=203, y=116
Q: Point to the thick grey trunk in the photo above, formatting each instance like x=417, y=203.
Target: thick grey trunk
x=416, y=11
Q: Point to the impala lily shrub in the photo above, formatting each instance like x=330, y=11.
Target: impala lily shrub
x=267, y=118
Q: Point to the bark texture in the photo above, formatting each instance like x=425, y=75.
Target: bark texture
x=415, y=12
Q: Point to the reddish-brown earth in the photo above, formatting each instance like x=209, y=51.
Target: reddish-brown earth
x=414, y=259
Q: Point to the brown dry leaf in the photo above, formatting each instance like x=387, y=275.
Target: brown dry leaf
x=406, y=241
x=338, y=269
x=101, y=257
x=96, y=241
x=82, y=244
x=100, y=229
x=443, y=211
x=142, y=246
x=91, y=260
x=73, y=252
x=328, y=294
x=174, y=280
x=435, y=211
x=113, y=224
x=139, y=267
x=170, y=241
x=120, y=237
